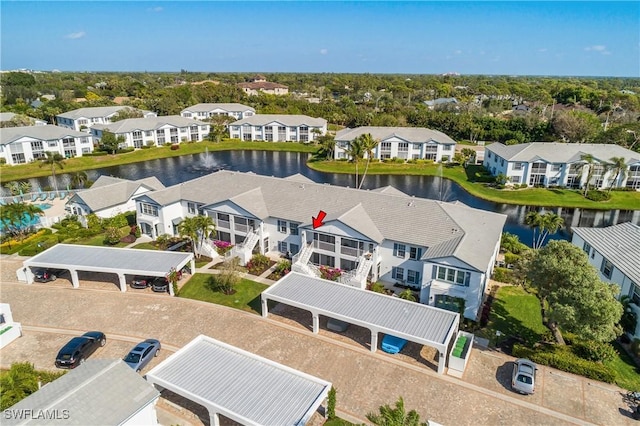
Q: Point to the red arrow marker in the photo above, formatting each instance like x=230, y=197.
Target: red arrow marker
x=317, y=221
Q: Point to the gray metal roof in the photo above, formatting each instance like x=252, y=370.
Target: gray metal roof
x=95, y=112
x=98, y=392
x=284, y=119
x=148, y=123
x=558, y=152
x=208, y=107
x=410, y=220
x=240, y=385
x=44, y=133
x=409, y=134
x=110, y=192
x=8, y=116
x=413, y=321
x=619, y=244
x=110, y=259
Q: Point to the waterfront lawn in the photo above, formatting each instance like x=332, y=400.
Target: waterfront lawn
x=246, y=298
x=627, y=372
x=469, y=180
x=71, y=165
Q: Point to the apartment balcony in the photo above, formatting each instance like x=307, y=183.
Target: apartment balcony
x=223, y=224
x=242, y=228
x=322, y=245
x=351, y=251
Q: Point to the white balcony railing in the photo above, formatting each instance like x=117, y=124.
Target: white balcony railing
x=241, y=228
x=351, y=251
x=224, y=224
x=322, y=245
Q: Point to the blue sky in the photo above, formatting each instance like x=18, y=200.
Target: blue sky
x=484, y=37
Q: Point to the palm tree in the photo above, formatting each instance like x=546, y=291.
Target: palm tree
x=53, y=159
x=204, y=228
x=397, y=416
x=79, y=179
x=533, y=220
x=407, y=295
x=19, y=382
x=355, y=152
x=327, y=145
x=589, y=163
x=189, y=228
x=618, y=166
x=16, y=217
x=546, y=224
x=368, y=144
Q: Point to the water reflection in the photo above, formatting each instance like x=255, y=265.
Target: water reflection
x=171, y=171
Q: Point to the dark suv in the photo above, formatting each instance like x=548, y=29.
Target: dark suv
x=41, y=275
x=79, y=348
x=160, y=285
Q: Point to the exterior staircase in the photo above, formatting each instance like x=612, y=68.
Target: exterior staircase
x=244, y=250
x=300, y=262
x=358, y=276
x=207, y=249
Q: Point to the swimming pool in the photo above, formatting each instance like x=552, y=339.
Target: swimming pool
x=44, y=206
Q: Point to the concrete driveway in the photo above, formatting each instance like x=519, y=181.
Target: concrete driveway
x=363, y=380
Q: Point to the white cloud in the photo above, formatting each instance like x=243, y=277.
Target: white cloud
x=156, y=9
x=74, y=36
x=599, y=48
x=324, y=51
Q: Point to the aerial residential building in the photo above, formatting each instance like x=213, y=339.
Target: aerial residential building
x=109, y=196
x=615, y=252
x=563, y=164
x=278, y=128
x=6, y=119
x=82, y=119
x=20, y=145
x=259, y=84
x=434, y=103
x=407, y=143
x=443, y=250
x=204, y=111
x=154, y=131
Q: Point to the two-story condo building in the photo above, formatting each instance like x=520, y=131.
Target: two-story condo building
x=615, y=252
x=407, y=143
x=440, y=249
x=562, y=164
x=82, y=119
x=278, y=128
x=154, y=131
x=20, y=145
x=204, y=111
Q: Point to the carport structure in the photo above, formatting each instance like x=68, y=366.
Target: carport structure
x=239, y=385
x=377, y=312
x=119, y=261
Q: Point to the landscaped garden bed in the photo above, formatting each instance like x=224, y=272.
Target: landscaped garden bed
x=246, y=296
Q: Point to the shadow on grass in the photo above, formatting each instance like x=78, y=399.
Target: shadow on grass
x=511, y=327
x=477, y=173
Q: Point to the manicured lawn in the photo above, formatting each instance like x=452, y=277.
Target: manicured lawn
x=97, y=240
x=24, y=171
x=338, y=422
x=145, y=246
x=627, y=373
x=515, y=312
x=246, y=298
x=624, y=200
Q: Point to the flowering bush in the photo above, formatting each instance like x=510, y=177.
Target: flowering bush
x=175, y=146
x=258, y=264
x=329, y=273
x=222, y=246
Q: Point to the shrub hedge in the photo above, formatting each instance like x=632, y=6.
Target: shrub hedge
x=503, y=275
x=562, y=359
x=595, y=195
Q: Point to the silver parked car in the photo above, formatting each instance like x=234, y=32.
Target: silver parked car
x=142, y=353
x=523, y=379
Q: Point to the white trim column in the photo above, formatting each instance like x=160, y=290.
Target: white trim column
x=316, y=322
x=123, y=282
x=374, y=340
x=74, y=278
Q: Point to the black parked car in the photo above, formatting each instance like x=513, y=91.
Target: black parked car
x=79, y=348
x=141, y=282
x=41, y=275
x=160, y=285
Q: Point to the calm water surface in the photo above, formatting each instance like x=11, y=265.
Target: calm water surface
x=171, y=171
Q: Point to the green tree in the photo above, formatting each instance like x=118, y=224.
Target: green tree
x=395, y=416
x=110, y=141
x=355, y=152
x=205, y=228
x=125, y=114
x=218, y=127
x=576, y=126
x=327, y=145
x=188, y=228
x=618, y=167
x=19, y=382
x=546, y=224
x=467, y=155
x=578, y=301
x=53, y=160
x=512, y=244
x=79, y=179
x=407, y=295
x=16, y=216
x=588, y=161
x=228, y=278
x=368, y=144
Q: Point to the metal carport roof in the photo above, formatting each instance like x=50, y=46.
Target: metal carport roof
x=379, y=313
x=240, y=385
x=110, y=260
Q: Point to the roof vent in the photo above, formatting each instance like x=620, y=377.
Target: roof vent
x=411, y=204
x=302, y=186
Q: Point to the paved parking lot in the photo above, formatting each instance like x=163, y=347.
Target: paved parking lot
x=363, y=380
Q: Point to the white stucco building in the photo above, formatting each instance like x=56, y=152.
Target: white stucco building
x=562, y=164
x=407, y=143
x=83, y=118
x=154, y=131
x=278, y=128
x=615, y=252
x=207, y=110
x=439, y=249
x=19, y=145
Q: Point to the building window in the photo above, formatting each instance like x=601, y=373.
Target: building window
x=293, y=228
x=148, y=209
x=607, y=268
x=413, y=277
x=586, y=247
x=399, y=250
x=415, y=253
x=635, y=296
x=282, y=246
x=556, y=167
x=397, y=273
x=282, y=226
x=517, y=166
x=515, y=179
x=191, y=208
x=160, y=136
x=294, y=248
x=451, y=275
